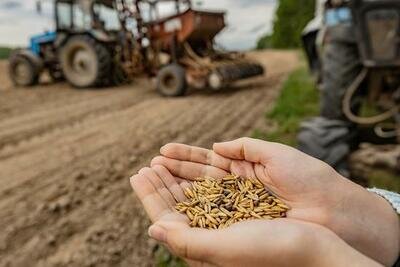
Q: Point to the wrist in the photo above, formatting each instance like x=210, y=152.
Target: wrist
x=393, y=225
x=367, y=222
x=338, y=253
x=341, y=254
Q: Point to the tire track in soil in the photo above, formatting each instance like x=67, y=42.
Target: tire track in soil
x=22, y=128
x=68, y=201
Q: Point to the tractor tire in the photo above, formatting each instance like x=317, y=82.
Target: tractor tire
x=171, y=81
x=118, y=76
x=341, y=65
x=23, y=71
x=328, y=140
x=85, y=62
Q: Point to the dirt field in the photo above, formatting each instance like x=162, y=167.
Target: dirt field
x=66, y=156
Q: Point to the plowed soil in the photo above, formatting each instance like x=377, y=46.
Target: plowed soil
x=66, y=156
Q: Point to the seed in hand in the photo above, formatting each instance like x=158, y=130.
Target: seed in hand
x=219, y=203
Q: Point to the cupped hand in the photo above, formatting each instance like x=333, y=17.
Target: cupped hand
x=282, y=242
x=314, y=191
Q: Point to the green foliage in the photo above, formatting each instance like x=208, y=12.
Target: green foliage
x=291, y=18
x=264, y=42
x=298, y=101
x=384, y=179
x=5, y=52
x=164, y=259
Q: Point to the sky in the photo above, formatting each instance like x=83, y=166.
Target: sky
x=247, y=21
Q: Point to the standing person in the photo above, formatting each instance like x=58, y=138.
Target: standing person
x=334, y=57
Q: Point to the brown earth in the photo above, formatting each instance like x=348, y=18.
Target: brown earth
x=66, y=156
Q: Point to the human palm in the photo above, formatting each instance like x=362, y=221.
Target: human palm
x=291, y=175
x=313, y=190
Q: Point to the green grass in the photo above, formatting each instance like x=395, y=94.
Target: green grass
x=298, y=101
x=385, y=180
x=164, y=259
x=5, y=52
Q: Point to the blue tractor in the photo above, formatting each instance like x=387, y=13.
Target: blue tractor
x=90, y=46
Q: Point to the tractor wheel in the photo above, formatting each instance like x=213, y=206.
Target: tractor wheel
x=171, y=81
x=23, y=71
x=118, y=76
x=341, y=65
x=85, y=62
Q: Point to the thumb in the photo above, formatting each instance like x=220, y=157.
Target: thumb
x=189, y=243
x=248, y=149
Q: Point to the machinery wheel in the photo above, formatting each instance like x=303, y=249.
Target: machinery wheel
x=171, y=81
x=118, y=76
x=23, y=71
x=341, y=65
x=328, y=140
x=85, y=62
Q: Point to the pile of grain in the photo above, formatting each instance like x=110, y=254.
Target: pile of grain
x=216, y=204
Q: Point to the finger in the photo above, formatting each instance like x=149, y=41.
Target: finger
x=188, y=170
x=248, y=149
x=157, y=182
x=194, y=244
x=178, y=179
x=153, y=203
x=195, y=154
x=243, y=168
x=170, y=182
x=185, y=185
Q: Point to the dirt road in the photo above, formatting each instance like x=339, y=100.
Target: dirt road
x=66, y=156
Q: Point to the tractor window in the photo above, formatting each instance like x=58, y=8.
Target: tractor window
x=64, y=16
x=82, y=18
x=108, y=16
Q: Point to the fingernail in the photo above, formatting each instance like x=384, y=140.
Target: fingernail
x=132, y=178
x=216, y=144
x=163, y=148
x=158, y=233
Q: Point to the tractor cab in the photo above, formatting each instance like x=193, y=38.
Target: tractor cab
x=87, y=35
x=96, y=17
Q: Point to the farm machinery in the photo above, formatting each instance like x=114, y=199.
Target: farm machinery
x=358, y=64
x=106, y=42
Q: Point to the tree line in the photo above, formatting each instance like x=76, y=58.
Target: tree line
x=291, y=18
